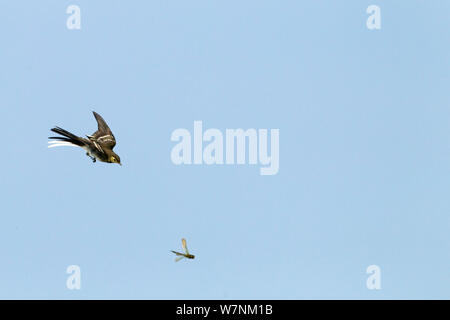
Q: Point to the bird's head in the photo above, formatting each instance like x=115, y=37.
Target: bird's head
x=114, y=158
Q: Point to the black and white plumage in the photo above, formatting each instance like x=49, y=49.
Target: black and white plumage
x=98, y=146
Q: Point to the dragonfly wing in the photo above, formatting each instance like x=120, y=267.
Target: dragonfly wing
x=178, y=258
x=183, y=242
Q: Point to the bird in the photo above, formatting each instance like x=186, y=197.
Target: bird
x=98, y=146
x=183, y=255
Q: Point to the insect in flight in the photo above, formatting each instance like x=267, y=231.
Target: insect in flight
x=183, y=255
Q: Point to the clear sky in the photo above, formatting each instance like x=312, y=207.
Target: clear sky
x=364, y=173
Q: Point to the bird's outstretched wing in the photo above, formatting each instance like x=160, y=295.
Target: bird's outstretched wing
x=103, y=137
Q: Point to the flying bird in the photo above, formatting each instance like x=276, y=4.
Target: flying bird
x=183, y=255
x=98, y=146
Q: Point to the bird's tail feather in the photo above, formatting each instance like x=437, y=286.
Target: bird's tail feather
x=52, y=144
x=68, y=139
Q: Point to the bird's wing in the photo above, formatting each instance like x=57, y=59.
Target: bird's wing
x=103, y=136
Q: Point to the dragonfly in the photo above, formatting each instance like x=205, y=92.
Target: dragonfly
x=183, y=255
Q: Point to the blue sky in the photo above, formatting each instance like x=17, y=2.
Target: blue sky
x=364, y=149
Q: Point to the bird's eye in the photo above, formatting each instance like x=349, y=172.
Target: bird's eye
x=113, y=159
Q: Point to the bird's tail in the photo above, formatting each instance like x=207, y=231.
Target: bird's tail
x=68, y=139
